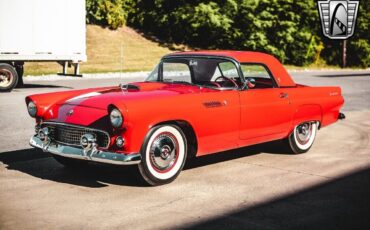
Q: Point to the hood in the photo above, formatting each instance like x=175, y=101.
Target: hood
x=89, y=107
x=101, y=98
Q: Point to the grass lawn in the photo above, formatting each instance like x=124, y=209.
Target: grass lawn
x=122, y=50
x=110, y=51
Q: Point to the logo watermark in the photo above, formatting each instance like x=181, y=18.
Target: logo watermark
x=338, y=18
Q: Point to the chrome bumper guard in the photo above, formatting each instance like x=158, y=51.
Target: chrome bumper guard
x=79, y=153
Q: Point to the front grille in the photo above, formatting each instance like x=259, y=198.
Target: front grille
x=71, y=134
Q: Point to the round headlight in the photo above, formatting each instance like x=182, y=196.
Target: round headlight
x=32, y=109
x=116, y=118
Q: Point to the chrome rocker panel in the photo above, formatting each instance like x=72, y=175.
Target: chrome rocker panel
x=92, y=155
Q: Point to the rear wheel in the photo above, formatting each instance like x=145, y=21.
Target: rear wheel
x=8, y=77
x=302, y=137
x=163, y=154
x=70, y=163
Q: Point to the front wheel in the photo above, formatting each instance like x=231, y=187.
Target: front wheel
x=163, y=154
x=302, y=137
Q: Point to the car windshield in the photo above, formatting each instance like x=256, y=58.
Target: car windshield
x=207, y=72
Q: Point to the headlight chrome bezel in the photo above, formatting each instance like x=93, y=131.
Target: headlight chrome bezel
x=32, y=108
x=116, y=118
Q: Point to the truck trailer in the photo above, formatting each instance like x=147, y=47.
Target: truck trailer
x=40, y=31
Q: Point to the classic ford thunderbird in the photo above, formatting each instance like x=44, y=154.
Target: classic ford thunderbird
x=192, y=104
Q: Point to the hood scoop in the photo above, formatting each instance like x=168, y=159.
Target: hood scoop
x=129, y=87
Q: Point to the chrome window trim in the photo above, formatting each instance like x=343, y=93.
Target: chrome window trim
x=275, y=84
x=179, y=56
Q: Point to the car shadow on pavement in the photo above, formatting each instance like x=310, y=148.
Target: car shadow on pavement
x=345, y=75
x=341, y=203
x=42, y=165
x=274, y=147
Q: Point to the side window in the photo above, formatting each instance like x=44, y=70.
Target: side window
x=258, y=75
x=176, y=72
x=153, y=76
x=228, y=69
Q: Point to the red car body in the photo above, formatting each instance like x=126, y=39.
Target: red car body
x=216, y=120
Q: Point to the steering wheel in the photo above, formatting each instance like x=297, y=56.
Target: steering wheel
x=229, y=79
x=215, y=84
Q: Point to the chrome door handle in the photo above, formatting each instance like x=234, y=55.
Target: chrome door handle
x=283, y=95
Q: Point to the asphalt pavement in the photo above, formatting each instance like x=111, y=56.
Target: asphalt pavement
x=257, y=187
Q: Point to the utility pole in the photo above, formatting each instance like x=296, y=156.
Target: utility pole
x=121, y=60
x=344, y=54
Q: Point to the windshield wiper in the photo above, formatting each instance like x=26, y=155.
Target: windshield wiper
x=190, y=83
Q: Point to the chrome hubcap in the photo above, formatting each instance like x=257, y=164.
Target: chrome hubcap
x=5, y=78
x=164, y=152
x=304, y=132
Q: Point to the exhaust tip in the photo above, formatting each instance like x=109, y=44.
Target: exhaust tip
x=341, y=116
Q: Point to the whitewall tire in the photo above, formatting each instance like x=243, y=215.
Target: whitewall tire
x=163, y=154
x=302, y=137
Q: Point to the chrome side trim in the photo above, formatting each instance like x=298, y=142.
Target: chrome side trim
x=79, y=153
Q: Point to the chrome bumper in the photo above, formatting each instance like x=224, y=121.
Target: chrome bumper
x=79, y=153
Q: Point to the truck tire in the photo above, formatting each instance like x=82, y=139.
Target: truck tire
x=20, y=70
x=8, y=77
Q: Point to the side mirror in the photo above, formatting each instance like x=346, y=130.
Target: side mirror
x=250, y=83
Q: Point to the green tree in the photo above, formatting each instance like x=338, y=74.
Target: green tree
x=287, y=29
x=281, y=28
x=108, y=13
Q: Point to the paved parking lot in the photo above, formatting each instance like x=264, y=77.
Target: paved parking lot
x=258, y=187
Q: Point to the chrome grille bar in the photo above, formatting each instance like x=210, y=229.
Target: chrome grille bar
x=71, y=134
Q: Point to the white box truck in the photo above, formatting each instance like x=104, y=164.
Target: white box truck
x=40, y=31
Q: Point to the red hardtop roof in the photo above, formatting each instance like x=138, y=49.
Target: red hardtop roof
x=277, y=69
x=240, y=56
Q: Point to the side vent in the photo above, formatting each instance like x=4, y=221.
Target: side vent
x=129, y=87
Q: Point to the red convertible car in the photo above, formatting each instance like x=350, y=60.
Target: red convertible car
x=192, y=104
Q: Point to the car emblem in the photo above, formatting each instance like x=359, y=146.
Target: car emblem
x=70, y=112
x=338, y=18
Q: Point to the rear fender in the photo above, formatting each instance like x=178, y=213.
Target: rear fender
x=307, y=113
